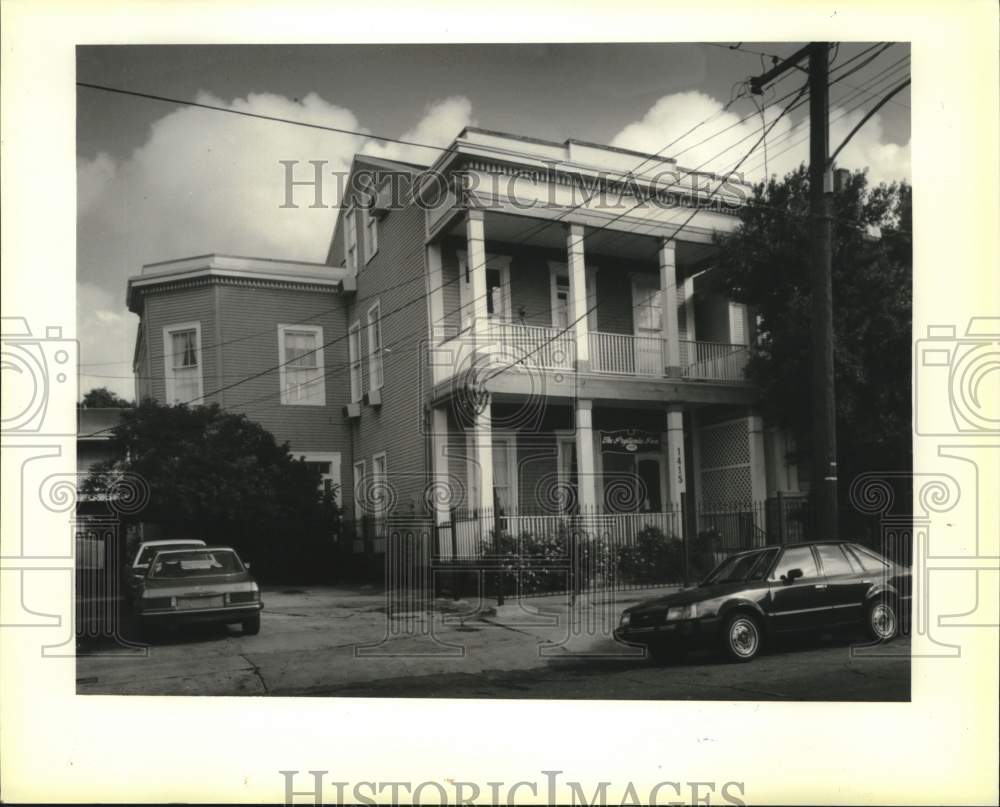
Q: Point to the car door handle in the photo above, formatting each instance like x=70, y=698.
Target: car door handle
x=820, y=586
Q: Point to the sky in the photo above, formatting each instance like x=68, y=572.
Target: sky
x=158, y=181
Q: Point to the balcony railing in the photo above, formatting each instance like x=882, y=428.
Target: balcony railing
x=714, y=361
x=618, y=354
x=534, y=345
x=625, y=354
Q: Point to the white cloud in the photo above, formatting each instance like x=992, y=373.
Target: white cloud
x=441, y=123
x=106, y=333
x=670, y=119
x=92, y=179
x=205, y=181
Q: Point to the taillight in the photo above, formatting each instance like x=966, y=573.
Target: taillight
x=244, y=596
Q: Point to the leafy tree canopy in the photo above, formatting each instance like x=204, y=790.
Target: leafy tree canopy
x=220, y=477
x=103, y=398
x=766, y=265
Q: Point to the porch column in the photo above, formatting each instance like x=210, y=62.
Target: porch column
x=576, y=266
x=476, y=256
x=668, y=306
x=482, y=442
x=443, y=493
x=676, y=466
x=758, y=467
x=586, y=479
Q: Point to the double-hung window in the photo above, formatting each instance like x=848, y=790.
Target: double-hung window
x=354, y=354
x=182, y=362
x=351, y=241
x=378, y=494
x=301, y=369
x=560, y=300
x=370, y=234
x=375, y=347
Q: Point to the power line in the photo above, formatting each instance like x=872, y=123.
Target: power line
x=529, y=233
x=869, y=114
x=792, y=140
x=672, y=237
x=423, y=297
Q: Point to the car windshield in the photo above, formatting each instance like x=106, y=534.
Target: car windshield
x=751, y=566
x=195, y=563
x=149, y=552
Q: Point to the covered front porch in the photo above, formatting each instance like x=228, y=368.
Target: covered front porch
x=532, y=466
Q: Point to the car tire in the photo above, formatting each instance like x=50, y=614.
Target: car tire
x=882, y=619
x=742, y=637
x=251, y=627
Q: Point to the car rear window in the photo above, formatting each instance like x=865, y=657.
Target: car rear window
x=149, y=552
x=195, y=563
x=868, y=559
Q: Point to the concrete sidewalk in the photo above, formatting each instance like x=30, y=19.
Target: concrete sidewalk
x=323, y=638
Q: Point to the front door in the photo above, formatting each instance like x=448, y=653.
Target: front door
x=649, y=472
x=647, y=324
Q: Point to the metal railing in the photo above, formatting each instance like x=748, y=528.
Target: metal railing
x=714, y=361
x=535, y=345
x=622, y=354
x=626, y=354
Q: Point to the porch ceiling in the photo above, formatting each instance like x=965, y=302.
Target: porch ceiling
x=552, y=235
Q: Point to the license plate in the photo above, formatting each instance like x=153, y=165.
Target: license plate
x=199, y=602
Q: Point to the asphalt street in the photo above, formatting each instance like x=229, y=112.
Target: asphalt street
x=336, y=642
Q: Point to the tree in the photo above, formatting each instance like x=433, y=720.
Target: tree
x=103, y=398
x=765, y=264
x=223, y=478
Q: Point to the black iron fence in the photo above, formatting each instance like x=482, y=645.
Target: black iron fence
x=511, y=553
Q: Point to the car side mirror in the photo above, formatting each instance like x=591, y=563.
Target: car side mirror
x=247, y=565
x=793, y=574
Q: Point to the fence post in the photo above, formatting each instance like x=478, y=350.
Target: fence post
x=684, y=551
x=453, y=531
x=497, y=549
x=781, y=520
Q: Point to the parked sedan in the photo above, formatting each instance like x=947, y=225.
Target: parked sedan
x=756, y=596
x=204, y=584
x=135, y=571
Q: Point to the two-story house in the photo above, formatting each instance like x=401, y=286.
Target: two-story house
x=523, y=326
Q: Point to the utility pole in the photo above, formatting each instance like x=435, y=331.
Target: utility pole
x=824, y=426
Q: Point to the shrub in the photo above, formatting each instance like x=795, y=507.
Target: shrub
x=653, y=558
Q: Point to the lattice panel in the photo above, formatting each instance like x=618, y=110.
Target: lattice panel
x=725, y=445
x=726, y=486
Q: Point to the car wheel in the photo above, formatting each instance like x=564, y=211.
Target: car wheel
x=882, y=622
x=741, y=637
x=251, y=627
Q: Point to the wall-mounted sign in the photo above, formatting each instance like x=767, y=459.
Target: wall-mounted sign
x=630, y=440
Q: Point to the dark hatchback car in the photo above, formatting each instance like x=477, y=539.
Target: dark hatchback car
x=756, y=596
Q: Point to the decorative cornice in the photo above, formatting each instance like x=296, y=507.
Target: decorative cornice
x=224, y=270
x=606, y=185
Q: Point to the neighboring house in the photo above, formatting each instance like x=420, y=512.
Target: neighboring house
x=96, y=520
x=517, y=346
